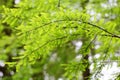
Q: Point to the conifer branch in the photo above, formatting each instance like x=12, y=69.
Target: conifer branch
x=93, y=25
x=49, y=41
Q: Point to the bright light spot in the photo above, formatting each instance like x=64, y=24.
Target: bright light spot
x=78, y=45
x=108, y=71
x=91, y=12
x=11, y=72
x=92, y=18
x=78, y=57
x=112, y=2
x=97, y=56
x=97, y=46
x=53, y=57
x=104, y=5
x=106, y=15
x=2, y=63
x=1, y=74
x=60, y=79
x=71, y=31
x=91, y=67
x=98, y=16
x=30, y=79
x=17, y=1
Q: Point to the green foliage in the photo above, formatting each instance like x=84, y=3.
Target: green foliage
x=35, y=31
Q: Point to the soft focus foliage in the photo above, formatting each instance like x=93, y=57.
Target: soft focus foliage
x=38, y=38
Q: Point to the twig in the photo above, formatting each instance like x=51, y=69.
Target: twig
x=58, y=3
x=93, y=25
x=91, y=42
